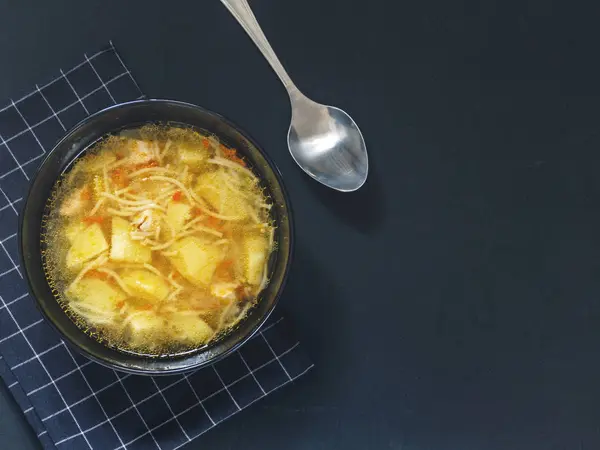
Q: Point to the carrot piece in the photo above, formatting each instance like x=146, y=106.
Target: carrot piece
x=96, y=274
x=238, y=160
x=213, y=222
x=227, y=152
x=223, y=270
x=177, y=196
x=85, y=194
x=93, y=219
x=231, y=155
x=119, y=177
x=206, y=142
x=145, y=165
x=120, y=304
x=146, y=307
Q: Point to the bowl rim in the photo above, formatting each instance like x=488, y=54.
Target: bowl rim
x=243, y=339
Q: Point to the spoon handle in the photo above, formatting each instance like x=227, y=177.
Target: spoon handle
x=244, y=15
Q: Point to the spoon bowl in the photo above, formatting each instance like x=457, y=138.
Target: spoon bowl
x=327, y=144
x=323, y=140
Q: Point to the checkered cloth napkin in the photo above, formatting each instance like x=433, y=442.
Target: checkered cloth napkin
x=70, y=401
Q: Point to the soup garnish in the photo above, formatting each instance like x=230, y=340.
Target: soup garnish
x=159, y=239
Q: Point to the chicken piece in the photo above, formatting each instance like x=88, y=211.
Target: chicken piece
x=75, y=203
x=147, y=220
x=141, y=152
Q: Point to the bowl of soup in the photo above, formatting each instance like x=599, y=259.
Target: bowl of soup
x=156, y=237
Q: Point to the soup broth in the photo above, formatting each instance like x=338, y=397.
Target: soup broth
x=158, y=239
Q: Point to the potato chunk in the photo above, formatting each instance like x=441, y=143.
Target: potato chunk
x=177, y=215
x=145, y=327
x=212, y=187
x=145, y=284
x=254, y=250
x=73, y=229
x=87, y=243
x=97, y=294
x=196, y=259
x=191, y=328
x=193, y=156
x=125, y=249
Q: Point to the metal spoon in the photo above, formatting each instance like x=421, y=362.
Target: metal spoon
x=324, y=140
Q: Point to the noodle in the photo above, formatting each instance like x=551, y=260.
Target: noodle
x=226, y=163
x=206, y=210
x=144, y=207
x=92, y=265
x=97, y=207
x=173, y=282
x=208, y=230
x=119, y=163
x=177, y=183
x=153, y=269
x=192, y=222
x=174, y=294
x=123, y=191
x=165, y=195
x=167, y=244
x=116, y=212
x=166, y=149
x=126, y=202
x=150, y=170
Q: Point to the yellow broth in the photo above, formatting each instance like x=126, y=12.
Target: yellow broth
x=159, y=239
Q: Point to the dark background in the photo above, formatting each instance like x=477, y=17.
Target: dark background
x=453, y=302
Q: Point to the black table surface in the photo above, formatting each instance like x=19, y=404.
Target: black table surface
x=454, y=301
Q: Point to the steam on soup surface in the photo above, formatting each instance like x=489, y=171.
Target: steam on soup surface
x=159, y=239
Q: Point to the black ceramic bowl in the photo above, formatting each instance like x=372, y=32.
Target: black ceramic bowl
x=74, y=144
